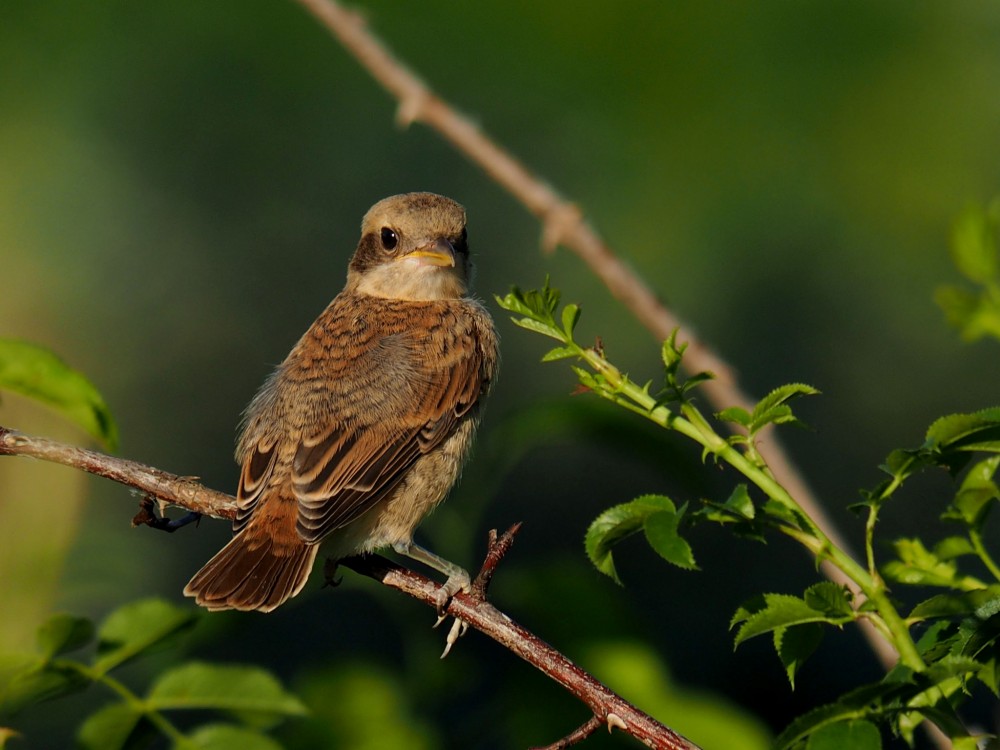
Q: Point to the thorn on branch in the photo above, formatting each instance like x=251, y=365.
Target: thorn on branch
x=557, y=222
x=412, y=107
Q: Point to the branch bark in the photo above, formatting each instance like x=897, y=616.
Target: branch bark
x=609, y=709
x=563, y=223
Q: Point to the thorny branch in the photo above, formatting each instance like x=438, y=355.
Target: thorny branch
x=563, y=223
x=608, y=708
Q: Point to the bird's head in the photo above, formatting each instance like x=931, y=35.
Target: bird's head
x=413, y=246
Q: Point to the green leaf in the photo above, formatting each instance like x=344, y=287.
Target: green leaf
x=830, y=598
x=230, y=737
x=796, y=644
x=919, y=566
x=115, y=727
x=39, y=374
x=976, y=431
x=773, y=611
x=560, y=352
x=27, y=679
x=974, y=244
x=881, y=698
x=570, y=317
x=137, y=627
x=735, y=414
x=954, y=604
x=661, y=533
x=617, y=523
x=254, y=694
x=538, y=326
x=773, y=408
x=974, y=315
x=63, y=633
x=857, y=734
x=974, y=497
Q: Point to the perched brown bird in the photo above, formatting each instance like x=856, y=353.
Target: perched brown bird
x=364, y=427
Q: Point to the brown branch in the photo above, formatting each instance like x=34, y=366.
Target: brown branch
x=563, y=223
x=609, y=708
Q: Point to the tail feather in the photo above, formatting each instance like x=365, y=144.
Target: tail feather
x=252, y=573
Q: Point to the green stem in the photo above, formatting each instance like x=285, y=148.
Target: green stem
x=977, y=544
x=694, y=425
x=133, y=701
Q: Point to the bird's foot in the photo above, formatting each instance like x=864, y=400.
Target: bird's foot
x=457, y=581
x=330, y=572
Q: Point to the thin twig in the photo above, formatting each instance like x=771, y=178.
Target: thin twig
x=579, y=734
x=616, y=712
x=183, y=492
x=497, y=548
x=563, y=223
x=186, y=493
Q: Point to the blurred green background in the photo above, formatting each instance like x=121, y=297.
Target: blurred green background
x=180, y=189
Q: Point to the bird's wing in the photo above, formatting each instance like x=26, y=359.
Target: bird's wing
x=343, y=471
x=257, y=470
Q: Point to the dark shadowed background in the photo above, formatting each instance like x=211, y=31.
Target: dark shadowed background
x=181, y=185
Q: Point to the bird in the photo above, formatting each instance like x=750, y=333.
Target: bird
x=363, y=429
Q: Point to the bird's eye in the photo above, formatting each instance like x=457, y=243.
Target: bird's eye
x=389, y=238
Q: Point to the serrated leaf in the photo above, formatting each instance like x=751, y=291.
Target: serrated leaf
x=546, y=329
x=661, y=533
x=918, y=566
x=735, y=414
x=739, y=502
x=37, y=373
x=830, y=598
x=138, y=627
x=570, y=317
x=854, y=705
x=513, y=302
x=617, y=523
x=779, y=611
x=229, y=736
x=856, y=734
x=767, y=409
x=253, y=694
x=796, y=644
x=560, y=352
x=671, y=353
x=974, y=431
x=117, y=726
x=955, y=604
x=975, y=496
x=63, y=633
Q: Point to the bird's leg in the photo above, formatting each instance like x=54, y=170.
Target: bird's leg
x=458, y=580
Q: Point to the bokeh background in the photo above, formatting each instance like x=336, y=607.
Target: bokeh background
x=180, y=189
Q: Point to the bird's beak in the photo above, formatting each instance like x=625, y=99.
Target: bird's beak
x=437, y=253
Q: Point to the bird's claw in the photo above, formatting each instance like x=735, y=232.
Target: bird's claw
x=456, y=631
x=452, y=586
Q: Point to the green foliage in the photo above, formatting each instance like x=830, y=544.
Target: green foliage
x=958, y=649
x=655, y=515
x=975, y=253
x=39, y=374
x=252, y=697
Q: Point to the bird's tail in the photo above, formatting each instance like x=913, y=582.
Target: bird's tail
x=253, y=572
